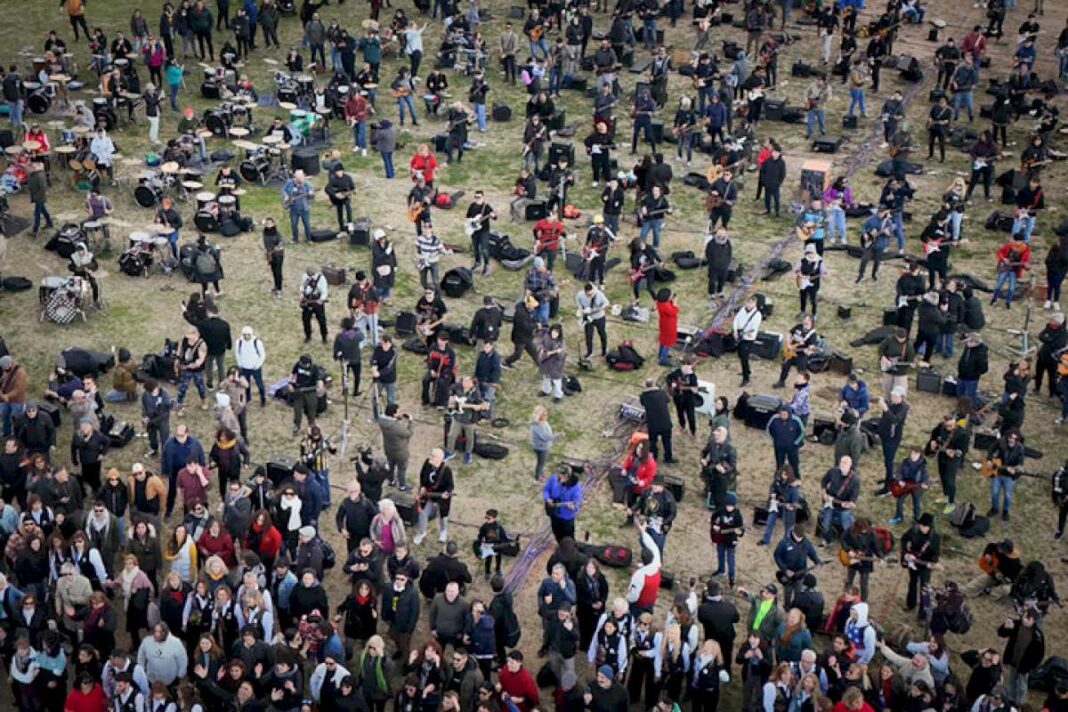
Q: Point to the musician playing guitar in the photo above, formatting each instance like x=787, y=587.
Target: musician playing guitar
x=727, y=527
x=911, y=481
x=339, y=188
x=840, y=487
x=682, y=385
x=599, y=145
x=477, y=226
x=313, y=298
x=1029, y=200
x=950, y=442
x=440, y=371
x=465, y=406
x=1014, y=257
x=859, y=551
x=719, y=471
x=548, y=232
x=921, y=547
x=1004, y=466
x=792, y=557
x=420, y=197
x=430, y=313
x=999, y=564
x=800, y=344
x=436, y=488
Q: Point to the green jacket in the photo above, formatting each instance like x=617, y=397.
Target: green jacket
x=38, y=187
x=269, y=15
x=200, y=22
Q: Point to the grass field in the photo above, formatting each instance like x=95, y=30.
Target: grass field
x=142, y=312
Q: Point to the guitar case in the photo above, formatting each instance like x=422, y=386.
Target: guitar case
x=616, y=557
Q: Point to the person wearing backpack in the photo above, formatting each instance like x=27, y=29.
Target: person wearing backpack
x=207, y=266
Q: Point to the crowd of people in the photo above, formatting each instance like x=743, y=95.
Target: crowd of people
x=138, y=589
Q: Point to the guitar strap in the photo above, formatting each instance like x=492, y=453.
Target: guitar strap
x=845, y=483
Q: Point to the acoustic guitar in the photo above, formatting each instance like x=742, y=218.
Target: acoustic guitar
x=988, y=563
x=848, y=558
x=991, y=467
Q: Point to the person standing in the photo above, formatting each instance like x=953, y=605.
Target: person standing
x=921, y=548
x=38, y=190
x=339, y=188
x=396, y=430
x=200, y=22
x=296, y=198
x=592, y=304
x=657, y=418
x=562, y=495
x=215, y=331
x=817, y=96
x=667, y=309
x=190, y=364
x=251, y=356
x=76, y=14
x=1025, y=648
x=890, y=428
x=152, y=101
x=478, y=217
x=357, y=109
x=772, y=176
x=523, y=332
x=435, y=496
x=552, y=355
x=683, y=384
x=156, y=407
x=746, y=326
x=384, y=367
x=314, y=294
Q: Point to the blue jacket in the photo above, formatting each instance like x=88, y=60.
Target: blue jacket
x=285, y=588
x=483, y=642
x=857, y=399
x=559, y=595
x=252, y=11
x=311, y=502
x=787, y=433
x=556, y=491
x=717, y=114
x=793, y=555
x=175, y=454
x=333, y=647
x=910, y=471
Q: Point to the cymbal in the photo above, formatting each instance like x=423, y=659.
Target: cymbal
x=14, y=150
x=239, y=132
x=287, y=105
x=238, y=191
x=192, y=185
x=64, y=149
x=61, y=78
x=245, y=145
x=57, y=124
x=82, y=130
x=271, y=139
x=170, y=167
x=204, y=133
x=158, y=229
x=32, y=145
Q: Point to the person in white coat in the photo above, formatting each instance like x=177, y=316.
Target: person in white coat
x=251, y=356
x=326, y=678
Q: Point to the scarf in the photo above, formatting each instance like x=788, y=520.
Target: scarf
x=762, y=611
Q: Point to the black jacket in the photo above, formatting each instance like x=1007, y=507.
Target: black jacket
x=36, y=434
x=1053, y=339
x=216, y=334
x=522, y=325
x=657, y=406
x=486, y=324
x=773, y=172
x=1033, y=653
x=973, y=363
x=718, y=255
x=401, y=610
x=930, y=319
x=717, y=617
x=355, y=517
x=88, y=451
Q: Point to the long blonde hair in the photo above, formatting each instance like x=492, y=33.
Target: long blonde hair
x=671, y=641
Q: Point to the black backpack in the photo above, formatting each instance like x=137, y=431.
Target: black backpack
x=456, y=282
x=329, y=557
x=16, y=284
x=490, y=450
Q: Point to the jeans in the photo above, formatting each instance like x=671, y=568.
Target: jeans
x=114, y=396
x=830, y=516
x=8, y=412
x=1026, y=225
x=172, y=94
x=900, y=508
x=335, y=58
x=725, y=551
x=788, y=517
x=963, y=98
x=856, y=98
x=653, y=226
x=662, y=355
x=540, y=44
x=387, y=163
x=837, y=225
x=14, y=113
x=1005, y=279
x=788, y=454
x=318, y=49
x=1062, y=63
x=406, y=101
x=254, y=375
x=427, y=513
x=899, y=229
x=197, y=377
x=359, y=134
x=955, y=219
x=300, y=215
x=1000, y=485
x=480, y=116
x=968, y=388
x=391, y=392
x=814, y=116
x=541, y=313
x=40, y=210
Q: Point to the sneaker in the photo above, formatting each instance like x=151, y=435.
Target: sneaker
x=1005, y=516
x=949, y=509
x=1047, y=304
x=467, y=458
x=363, y=152
x=442, y=538
x=893, y=521
x=992, y=512
x=449, y=454
x=942, y=500
x=418, y=539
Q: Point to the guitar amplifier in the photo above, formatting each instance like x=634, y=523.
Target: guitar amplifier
x=840, y=362
x=890, y=316
x=502, y=112
x=441, y=141
x=929, y=380
x=985, y=440
x=658, y=131
x=557, y=121
x=800, y=69
x=773, y=109
x=577, y=84
x=731, y=50
x=631, y=411
x=279, y=470
x=949, y=386
x=760, y=409
x=826, y=144
x=706, y=394
x=359, y=231
x=535, y=210
x=849, y=121
x=986, y=111
x=562, y=150
x=676, y=485
x=405, y=324
x=406, y=508
x=768, y=345
x=334, y=275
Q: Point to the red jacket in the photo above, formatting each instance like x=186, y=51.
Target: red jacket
x=95, y=701
x=669, y=322
x=222, y=546
x=269, y=544
x=644, y=474
x=520, y=684
x=1015, y=251
x=424, y=164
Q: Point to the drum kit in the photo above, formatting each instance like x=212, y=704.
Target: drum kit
x=63, y=299
x=263, y=163
x=152, y=186
x=104, y=114
x=291, y=88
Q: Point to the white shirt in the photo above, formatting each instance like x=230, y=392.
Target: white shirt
x=103, y=149
x=250, y=353
x=747, y=323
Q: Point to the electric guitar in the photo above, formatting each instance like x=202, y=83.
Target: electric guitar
x=900, y=488
x=473, y=225
x=785, y=577
x=722, y=536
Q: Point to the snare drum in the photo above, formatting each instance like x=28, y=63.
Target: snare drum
x=192, y=185
x=48, y=286
x=305, y=84
x=255, y=169
x=40, y=64
x=227, y=203
x=139, y=238
x=204, y=199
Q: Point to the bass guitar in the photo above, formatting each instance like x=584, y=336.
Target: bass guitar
x=785, y=577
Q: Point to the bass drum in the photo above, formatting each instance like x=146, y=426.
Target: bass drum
x=106, y=117
x=218, y=122
x=255, y=169
x=148, y=194
x=39, y=102
x=205, y=221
